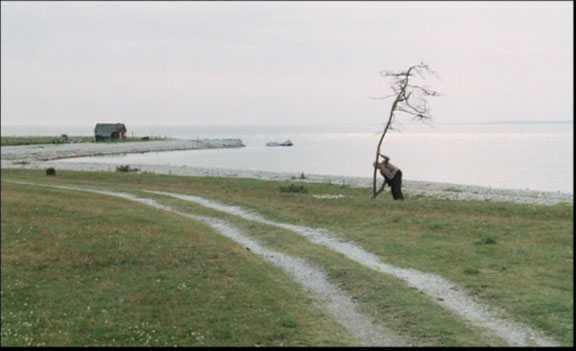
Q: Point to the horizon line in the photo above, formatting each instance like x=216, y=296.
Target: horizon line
x=295, y=125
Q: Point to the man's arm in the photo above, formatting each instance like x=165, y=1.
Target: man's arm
x=386, y=158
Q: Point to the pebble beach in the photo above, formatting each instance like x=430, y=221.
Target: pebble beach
x=48, y=155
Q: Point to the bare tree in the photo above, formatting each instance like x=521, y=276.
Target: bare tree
x=410, y=98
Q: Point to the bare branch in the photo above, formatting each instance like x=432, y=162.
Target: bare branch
x=419, y=71
x=424, y=90
x=424, y=120
x=417, y=115
x=430, y=71
x=417, y=108
x=407, y=111
x=395, y=74
x=383, y=97
x=402, y=97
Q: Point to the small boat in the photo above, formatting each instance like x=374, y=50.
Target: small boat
x=275, y=143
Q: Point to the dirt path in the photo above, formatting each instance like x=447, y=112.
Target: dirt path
x=340, y=306
x=440, y=290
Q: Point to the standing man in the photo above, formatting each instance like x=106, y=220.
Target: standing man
x=392, y=175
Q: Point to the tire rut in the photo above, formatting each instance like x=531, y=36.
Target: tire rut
x=440, y=290
x=333, y=300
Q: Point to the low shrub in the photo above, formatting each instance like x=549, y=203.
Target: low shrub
x=125, y=168
x=471, y=271
x=485, y=241
x=293, y=189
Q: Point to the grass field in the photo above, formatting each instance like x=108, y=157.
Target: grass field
x=82, y=269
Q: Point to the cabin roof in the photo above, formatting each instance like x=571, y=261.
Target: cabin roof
x=106, y=129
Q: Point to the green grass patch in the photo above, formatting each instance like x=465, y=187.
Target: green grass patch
x=517, y=257
x=293, y=188
x=87, y=270
x=34, y=140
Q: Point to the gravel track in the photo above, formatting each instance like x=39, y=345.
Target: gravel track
x=440, y=290
x=338, y=304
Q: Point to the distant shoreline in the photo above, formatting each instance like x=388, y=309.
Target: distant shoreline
x=46, y=152
x=44, y=156
x=375, y=124
x=521, y=122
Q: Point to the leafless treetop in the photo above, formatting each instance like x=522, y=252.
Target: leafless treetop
x=411, y=92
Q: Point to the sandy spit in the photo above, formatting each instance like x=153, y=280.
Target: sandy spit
x=45, y=152
x=44, y=156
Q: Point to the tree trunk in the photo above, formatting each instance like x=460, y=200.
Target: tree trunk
x=374, y=192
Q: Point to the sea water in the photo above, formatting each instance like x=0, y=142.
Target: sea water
x=536, y=156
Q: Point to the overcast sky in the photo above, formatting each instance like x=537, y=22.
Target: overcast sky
x=187, y=63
